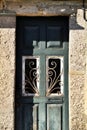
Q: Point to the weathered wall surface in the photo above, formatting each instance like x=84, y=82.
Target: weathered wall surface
x=77, y=65
x=78, y=72
x=7, y=73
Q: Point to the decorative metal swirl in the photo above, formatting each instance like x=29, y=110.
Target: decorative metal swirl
x=31, y=77
x=54, y=76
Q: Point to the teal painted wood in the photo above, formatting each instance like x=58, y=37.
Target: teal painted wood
x=41, y=36
x=42, y=75
x=54, y=117
x=66, y=91
x=42, y=116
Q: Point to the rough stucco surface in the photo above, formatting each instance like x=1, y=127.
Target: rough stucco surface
x=78, y=74
x=7, y=55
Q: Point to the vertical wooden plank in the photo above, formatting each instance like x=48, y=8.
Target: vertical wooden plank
x=42, y=116
x=18, y=117
x=66, y=91
x=27, y=117
x=42, y=75
x=35, y=117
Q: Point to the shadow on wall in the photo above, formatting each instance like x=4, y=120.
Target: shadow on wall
x=7, y=21
x=74, y=24
x=10, y=22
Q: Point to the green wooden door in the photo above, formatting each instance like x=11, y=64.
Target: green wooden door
x=41, y=98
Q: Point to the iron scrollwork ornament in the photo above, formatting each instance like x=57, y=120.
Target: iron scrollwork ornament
x=54, y=76
x=31, y=76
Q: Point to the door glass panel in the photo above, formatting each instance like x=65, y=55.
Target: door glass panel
x=55, y=74
x=30, y=75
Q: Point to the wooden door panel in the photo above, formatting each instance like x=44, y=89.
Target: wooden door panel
x=54, y=117
x=41, y=50
x=30, y=117
x=57, y=30
x=31, y=33
x=27, y=117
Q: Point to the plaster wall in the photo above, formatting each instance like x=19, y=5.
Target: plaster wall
x=7, y=74
x=77, y=71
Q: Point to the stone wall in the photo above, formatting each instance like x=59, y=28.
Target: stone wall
x=7, y=73
x=77, y=70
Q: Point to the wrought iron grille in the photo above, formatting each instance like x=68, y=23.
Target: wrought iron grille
x=30, y=75
x=55, y=74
